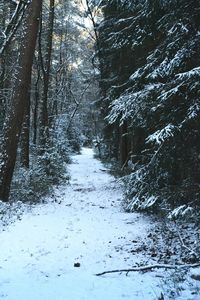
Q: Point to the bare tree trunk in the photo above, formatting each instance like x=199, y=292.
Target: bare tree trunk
x=25, y=136
x=15, y=116
x=123, y=147
x=36, y=103
x=46, y=66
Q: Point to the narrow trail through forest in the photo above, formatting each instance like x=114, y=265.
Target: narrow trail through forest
x=41, y=253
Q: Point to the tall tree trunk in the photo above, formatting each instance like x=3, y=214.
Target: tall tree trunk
x=46, y=66
x=123, y=147
x=15, y=116
x=25, y=136
x=36, y=102
x=3, y=15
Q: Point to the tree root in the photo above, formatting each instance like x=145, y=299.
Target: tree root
x=146, y=268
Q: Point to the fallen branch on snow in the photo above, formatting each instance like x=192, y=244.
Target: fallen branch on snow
x=146, y=268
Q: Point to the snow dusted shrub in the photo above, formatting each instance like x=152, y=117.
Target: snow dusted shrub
x=181, y=211
x=54, y=166
x=47, y=167
x=74, y=139
x=161, y=184
x=12, y=211
x=29, y=185
x=66, y=137
x=138, y=191
x=175, y=285
x=37, y=181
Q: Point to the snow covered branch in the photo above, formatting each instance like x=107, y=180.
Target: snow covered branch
x=13, y=24
x=149, y=267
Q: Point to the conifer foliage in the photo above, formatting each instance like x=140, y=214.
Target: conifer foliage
x=150, y=94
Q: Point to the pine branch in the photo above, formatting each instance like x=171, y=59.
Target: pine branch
x=149, y=267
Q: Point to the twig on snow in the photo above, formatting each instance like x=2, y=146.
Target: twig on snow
x=149, y=267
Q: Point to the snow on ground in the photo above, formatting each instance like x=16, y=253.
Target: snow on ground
x=86, y=225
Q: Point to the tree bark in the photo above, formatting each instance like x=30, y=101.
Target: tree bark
x=36, y=103
x=19, y=103
x=123, y=146
x=46, y=66
x=25, y=136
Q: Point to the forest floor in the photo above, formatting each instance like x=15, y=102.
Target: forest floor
x=53, y=250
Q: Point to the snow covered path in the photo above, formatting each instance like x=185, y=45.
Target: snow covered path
x=84, y=225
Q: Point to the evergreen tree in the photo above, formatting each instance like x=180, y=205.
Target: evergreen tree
x=150, y=97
